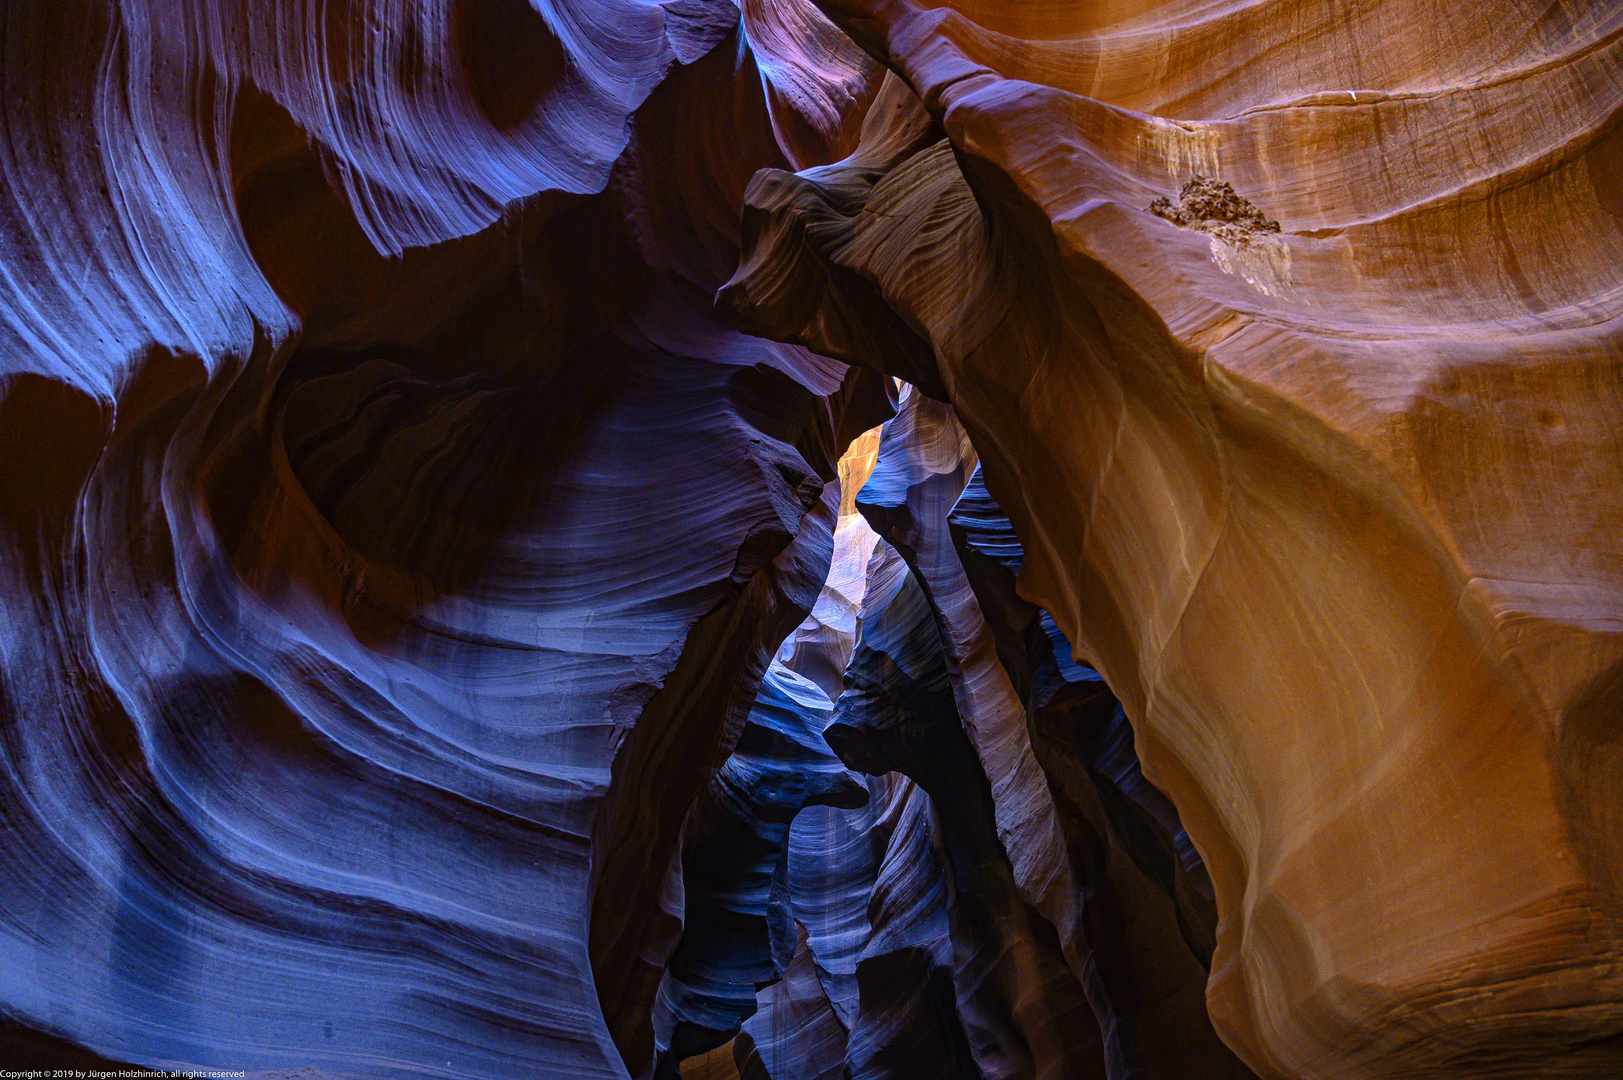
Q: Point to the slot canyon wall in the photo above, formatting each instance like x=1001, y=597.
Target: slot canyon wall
x=790, y=540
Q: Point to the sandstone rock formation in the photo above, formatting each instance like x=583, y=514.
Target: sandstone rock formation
x=461, y=614
x=1294, y=495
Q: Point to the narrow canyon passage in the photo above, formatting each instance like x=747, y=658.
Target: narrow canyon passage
x=812, y=539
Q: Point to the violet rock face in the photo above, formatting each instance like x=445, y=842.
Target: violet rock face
x=812, y=539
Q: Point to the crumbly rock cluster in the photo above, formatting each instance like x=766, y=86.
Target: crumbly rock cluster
x=1212, y=206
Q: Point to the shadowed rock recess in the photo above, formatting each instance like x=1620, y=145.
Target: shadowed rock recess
x=812, y=539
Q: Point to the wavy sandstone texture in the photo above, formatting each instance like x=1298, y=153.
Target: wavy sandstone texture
x=461, y=614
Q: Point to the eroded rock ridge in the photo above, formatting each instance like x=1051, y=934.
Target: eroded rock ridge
x=864, y=540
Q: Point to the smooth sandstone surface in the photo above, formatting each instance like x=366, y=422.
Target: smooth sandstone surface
x=358, y=615
x=1335, y=509
x=788, y=539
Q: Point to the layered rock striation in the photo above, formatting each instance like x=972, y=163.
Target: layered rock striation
x=1294, y=494
x=870, y=539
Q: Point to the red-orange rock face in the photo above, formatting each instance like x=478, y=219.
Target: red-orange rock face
x=450, y=625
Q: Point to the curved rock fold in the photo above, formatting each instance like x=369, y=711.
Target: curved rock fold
x=863, y=539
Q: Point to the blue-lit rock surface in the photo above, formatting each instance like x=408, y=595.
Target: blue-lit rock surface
x=445, y=555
